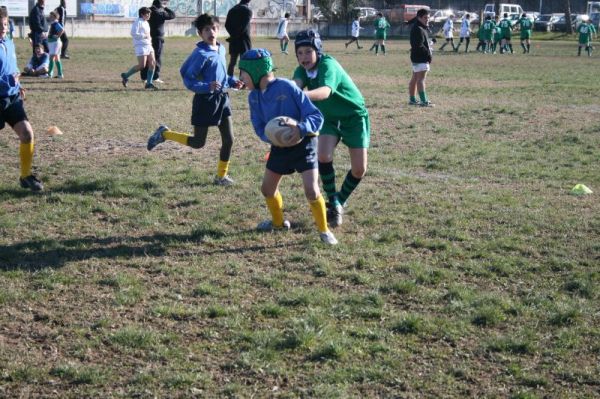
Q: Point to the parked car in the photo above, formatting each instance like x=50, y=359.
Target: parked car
x=595, y=18
x=474, y=17
x=545, y=23
x=440, y=16
x=576, y=20
x=365, y=12
x=561, y=24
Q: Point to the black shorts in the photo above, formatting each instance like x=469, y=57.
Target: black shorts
x=299, y=158
x=210, y=109
x=12, y=111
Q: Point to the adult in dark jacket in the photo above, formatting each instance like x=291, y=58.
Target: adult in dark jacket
x=420, y=56
x=158, y=16
x=38, y=25
x=61, y=10
x=237, y=25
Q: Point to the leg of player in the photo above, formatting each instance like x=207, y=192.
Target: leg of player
x=326, y=147
x=310, y=180
x=225, y=128
x=358, y=168
x=270, y=190
x=26, y=151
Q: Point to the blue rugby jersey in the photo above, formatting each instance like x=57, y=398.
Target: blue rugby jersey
x=9, y=86
x=206, y=65
x=283, y=98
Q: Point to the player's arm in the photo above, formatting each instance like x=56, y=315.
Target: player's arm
x=319, y=94
x=311, y=119
x=257, y=123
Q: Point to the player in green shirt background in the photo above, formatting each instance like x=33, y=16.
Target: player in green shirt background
x=487, y=32
x=526, y=25
x=505, y=33
x=332, y=90
x=586, y=30
x=381, y=26
x=497, y=34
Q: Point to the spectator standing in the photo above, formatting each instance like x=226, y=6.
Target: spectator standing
x=38, y=25
x=159, y=14
x=61, y=10
x=237, y=25
x=420, y=56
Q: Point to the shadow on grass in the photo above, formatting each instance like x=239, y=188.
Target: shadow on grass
x=40, y=254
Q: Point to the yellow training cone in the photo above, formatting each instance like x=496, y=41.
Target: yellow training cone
x=54, y=131
x=581, y=189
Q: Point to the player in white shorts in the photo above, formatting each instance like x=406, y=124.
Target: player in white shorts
x=465, y=32
x=448, y=32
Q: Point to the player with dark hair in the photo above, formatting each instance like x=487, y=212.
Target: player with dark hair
x=332, y=90
x=526, y=25
x=204, y=72
x=282, y=34
x=142, y=44
x=505, y=34
x=420, y=56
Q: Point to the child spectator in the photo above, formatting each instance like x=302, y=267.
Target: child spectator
x=55, y=45
x=142, y=44
x=12, y=110
x=334, y=93
x=38, y=64
x=205, y=73
x=355, y=32
x=282, y=34
x=420, y=56
x=271, y=97
x=448, y=30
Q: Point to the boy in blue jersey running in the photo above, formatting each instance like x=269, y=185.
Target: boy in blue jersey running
x=205, y=73
x=272, y=97
x=11, y=106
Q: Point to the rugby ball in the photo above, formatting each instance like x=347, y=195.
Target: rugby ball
x=280, y=133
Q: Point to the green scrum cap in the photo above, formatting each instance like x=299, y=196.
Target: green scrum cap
x=257, y=62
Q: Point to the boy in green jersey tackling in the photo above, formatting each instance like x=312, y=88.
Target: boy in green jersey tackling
x=334, y=93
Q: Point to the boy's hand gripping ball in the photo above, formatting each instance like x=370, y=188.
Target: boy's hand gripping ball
x=281, y=131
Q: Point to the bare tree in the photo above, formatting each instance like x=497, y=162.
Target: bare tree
x=568, y=16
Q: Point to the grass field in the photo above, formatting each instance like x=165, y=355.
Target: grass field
x=465, y=267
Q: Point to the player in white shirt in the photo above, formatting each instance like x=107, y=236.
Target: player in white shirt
x=465, y=32
x=448, y=29
x=282, y=35
x=355, y=32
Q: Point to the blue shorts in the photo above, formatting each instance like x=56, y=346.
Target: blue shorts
x=210, y=109
x=11, y=111
x=299, y=158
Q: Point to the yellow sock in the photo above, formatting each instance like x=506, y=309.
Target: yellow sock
x=26, y=157
x=222, y=168
x=181, y=138
x=275, y=205
x=317, y=208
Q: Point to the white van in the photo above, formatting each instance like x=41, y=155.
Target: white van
x=510, y=9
